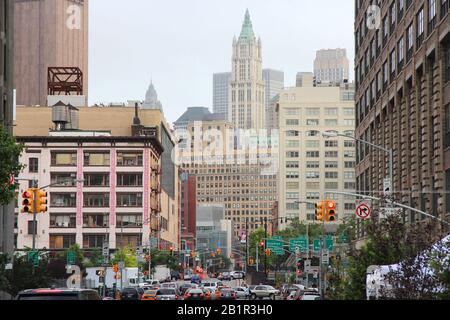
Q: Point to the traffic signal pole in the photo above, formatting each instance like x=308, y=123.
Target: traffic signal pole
x=35, y=190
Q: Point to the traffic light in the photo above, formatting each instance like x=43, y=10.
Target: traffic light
x=116, y=268
x=261, y=244
x=41, y=201
x=171, y=250
x=219, y=251
x=28, y=202
x=268, y=252
x=320, y=210
x=331, y=211
x=300, y=264
x=213, y=254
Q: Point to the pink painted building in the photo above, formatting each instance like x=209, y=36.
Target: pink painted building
x=104, y=188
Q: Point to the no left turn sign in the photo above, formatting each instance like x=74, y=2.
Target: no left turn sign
x=363, y=211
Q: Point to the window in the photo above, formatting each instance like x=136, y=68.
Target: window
x=292, y=164
x=62, y=221
x=401, y=7
x=312, y=111
x=331, y=111
x=129, y=180
x=393, y=14
x=312, y=185
x=129, y=220
x=349, y=154
x=292, y=112
x=63, y=199
x=401, y=53
x=349, y=144
x=312, y=154
x=63, y=179
x=292, y=133
x=446, y=62
x=431, y=15
x=393, y=64
x=33, y=165
x=312, y=164
x=331, y=185
x=292, y=144
x=129, y=159
x=385, y=75
x=96, y=159
x=312, y=175
x=331, y=122
x=63, y=158
x=349, y=175
x=385, y=29
x=292, y=154
x=313, y=133
x=129, y=200
x=312, y=144
x=444, y=10
x=292, y=185
x=331, y=164
x=292, y=122
x=331, y=154
x=292, y=206
x=62, y=241
x=292, y=175
x=349, y=164
x=32, y=227
x=419, y=28
x=349, y=206
x=331, y=175
x=312, y=196
x=349, y=111
x=94, y=240
x=96, y=179
x=96, y=220
x=312, y=122
x=350, y=185
x=292, y=195
x=409, y=41
x=330, y=143
x=349, y=122
x=96, y=200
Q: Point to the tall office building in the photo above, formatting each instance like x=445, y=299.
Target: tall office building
x=403, y=103
x=246, y=97
x=151, y=99
x=331, y=66
x=48, y=33
x=311, y=167
x=274, y=83
x=221, y=82
x=6, y=112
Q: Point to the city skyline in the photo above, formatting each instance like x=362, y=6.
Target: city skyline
x=191, y=60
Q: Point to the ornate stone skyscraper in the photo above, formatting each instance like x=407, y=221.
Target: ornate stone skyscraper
x=247, y=92
x=151, y=99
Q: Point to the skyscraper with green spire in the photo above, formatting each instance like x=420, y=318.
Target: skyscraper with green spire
x=247, y=89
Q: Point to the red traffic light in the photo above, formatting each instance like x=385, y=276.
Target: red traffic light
x=261, y=244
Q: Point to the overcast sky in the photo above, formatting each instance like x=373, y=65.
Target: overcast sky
x=181, y=43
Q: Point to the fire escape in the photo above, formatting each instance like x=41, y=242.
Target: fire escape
x=155, y=202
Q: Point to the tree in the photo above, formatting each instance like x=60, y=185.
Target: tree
x=10, y=167
x=127, y=255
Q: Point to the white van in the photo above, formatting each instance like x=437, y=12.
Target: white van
x=212, y=286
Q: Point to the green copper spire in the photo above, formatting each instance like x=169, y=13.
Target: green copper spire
x=247, y=28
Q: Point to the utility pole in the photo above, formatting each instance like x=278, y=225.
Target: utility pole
x=257, y=259
x=247, y=239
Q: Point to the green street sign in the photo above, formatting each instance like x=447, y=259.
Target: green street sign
x=316, y=245
x=277, y=238
x=33, y=257
x=70, y=257
x=329, y=243
x=300, y=242
x=275, y=246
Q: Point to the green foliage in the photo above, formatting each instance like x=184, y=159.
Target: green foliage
x=10, y=152
x=22, y=276
x=127, y=255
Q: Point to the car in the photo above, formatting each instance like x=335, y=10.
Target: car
x=149, y=295
x=173, y=285
x=225, y=276
x=212, y=286
x=242, y=293
x=263, y=291
x=58, y=294
x=196, y=279
x=194, y=294
x=167, y=294
x=226, y=294
x=237, y=275
x=185, y=287
x=149, y=283
x=175, y=275
x=207, y=294
x=132, y=293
